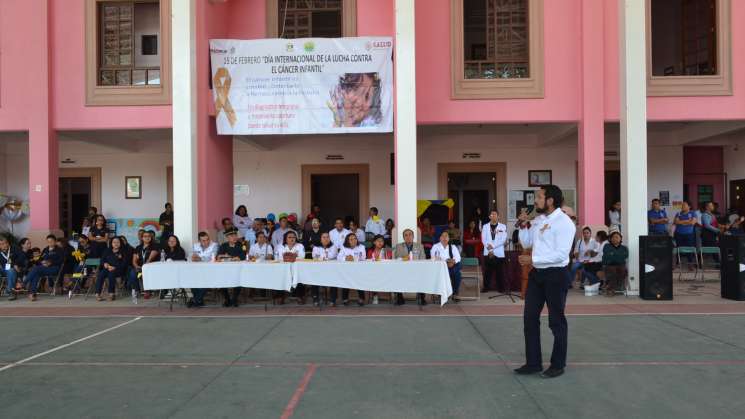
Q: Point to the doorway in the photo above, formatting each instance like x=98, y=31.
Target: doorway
x=470, y=191
x=475, y=178
x=324, y=192
x=341, y=190
x=74, y=201
x=79, y=189
x=612, y=186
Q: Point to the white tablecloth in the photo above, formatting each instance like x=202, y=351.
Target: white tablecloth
x=429, y=277
x=169, y=275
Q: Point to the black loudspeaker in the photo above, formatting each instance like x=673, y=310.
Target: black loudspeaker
x=732, y=250
x=656, y=267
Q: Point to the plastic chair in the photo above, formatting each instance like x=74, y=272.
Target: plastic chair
x=715, y=266
x=471, y=271
x=686, y=251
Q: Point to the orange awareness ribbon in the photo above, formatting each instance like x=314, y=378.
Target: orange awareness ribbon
x=221, y=83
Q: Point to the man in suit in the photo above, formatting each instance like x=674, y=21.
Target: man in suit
x=409, y=250
x=494, y=237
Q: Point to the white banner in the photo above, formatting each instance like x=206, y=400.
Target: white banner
x=303, y=86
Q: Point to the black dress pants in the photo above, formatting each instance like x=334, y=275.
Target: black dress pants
x=546, y=286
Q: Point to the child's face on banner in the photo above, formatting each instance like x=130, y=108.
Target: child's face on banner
x=358, y=101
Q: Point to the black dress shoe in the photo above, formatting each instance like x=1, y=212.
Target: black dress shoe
x=552, y=372
x=527, y=370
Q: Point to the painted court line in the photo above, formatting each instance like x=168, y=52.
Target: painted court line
x=732, y=362
x=290, y=409
x=66, y=345
x=259, y=316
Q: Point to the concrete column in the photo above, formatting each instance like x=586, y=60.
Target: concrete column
x=42, y=140
x=184, y=57
x=215, y=181
x=405, y=118
x=633, y=117
x=591, y=147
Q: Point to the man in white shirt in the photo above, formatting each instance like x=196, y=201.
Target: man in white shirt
x=374, y=225
x=278, y=236
x=204, y=251
x=443, y=250
x=338, y=234
x=550, y=235
x=493, y=237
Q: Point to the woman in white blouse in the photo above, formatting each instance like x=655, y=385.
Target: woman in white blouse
x=261, y=250
x=324, y=253
x=289, y=251
x=243, y=222
x=443, y=250
x=360, y=233
x=352, y=251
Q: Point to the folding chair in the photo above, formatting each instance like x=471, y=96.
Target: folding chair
x=687, y=251
x=471, y=271
x=56, y=278
x=715, y=266
x=91, y=267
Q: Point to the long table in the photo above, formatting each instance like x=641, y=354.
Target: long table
x=170, y=275
x=429, y=277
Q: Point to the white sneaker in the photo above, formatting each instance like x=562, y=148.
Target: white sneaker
x=375, y=299
x=134, y=296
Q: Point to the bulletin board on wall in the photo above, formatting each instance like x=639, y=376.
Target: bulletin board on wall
x=519, y=199
x=525, y=198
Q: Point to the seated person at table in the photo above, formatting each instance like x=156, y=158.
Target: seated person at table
x=352, y=251
x=444, y=250
x=50, y=263
x=338, y=234
x=227, y=225
x=312, y=236
x=99, y=234
x=12, y=264
x=409, y=250
x=204, y=251
x=289, y=251
x=324, y=252
x=145, y=252
x=375, y=225
x=261, y=250
x=278, y=236
x=113, y=265
x=377, y=253
x=173, y=251
x=360, y=233
x=231, y=251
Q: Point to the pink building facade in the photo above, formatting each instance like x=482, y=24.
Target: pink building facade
x=566, y=117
